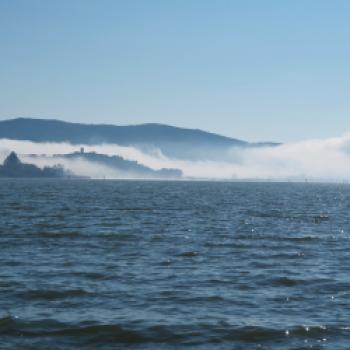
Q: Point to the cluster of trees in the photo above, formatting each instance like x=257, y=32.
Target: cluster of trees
x=13, y=167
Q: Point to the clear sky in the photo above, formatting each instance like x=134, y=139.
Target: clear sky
x=256, y=70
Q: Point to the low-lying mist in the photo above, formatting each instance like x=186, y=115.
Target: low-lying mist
x=327, y=160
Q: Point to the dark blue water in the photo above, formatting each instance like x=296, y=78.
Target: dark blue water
x=174, y=265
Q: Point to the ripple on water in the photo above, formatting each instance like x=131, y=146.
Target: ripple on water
x=174, y=265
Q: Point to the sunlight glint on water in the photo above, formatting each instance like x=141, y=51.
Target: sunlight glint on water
x=170, y=265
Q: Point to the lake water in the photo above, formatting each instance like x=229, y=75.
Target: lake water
x=174, y=265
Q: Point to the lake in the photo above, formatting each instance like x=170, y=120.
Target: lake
x=88, y=264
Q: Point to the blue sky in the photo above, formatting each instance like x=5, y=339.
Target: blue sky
x=255, y=70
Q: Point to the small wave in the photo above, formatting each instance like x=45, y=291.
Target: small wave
x=110, y=333
x=135, y=209
x=5, y=320
x=269, y=214
x=95, y=333
x=92, y=275
x=206, y=333
x=52, y=294
x=285, y=282
x=118, y=236
x=261, y=334
x=59, y=234
x=189, y=254
x=301, y=238
x=254, y=333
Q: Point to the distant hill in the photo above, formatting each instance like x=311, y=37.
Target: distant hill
x=172, y=141
x=124, y=168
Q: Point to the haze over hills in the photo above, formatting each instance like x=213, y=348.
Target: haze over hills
x=172, y=141
x=110, y=166
x=159, y=151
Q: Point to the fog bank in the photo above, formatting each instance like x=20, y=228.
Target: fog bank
x=318, y=159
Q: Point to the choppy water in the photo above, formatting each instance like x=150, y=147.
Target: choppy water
x=174, y=265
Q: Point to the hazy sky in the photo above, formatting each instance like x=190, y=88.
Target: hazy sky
x=256, y=70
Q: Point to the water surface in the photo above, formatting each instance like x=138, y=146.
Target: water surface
x=174, y=265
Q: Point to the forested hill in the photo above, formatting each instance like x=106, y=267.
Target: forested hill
x=172, y=141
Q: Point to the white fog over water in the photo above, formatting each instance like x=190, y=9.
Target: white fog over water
x=318, y=159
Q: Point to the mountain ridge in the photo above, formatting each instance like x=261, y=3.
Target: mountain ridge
x=173, y=141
